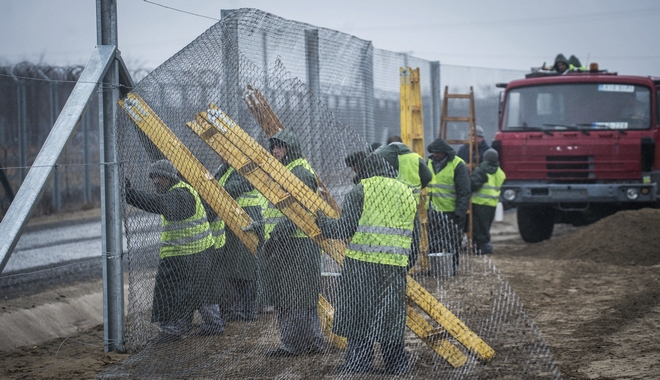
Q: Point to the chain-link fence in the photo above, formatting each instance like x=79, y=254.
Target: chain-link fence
x=242, y=263
x=33, y=96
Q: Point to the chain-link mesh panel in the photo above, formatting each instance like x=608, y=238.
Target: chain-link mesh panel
x=273, y=291
x=33, y=96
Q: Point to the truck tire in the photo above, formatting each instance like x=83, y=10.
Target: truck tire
x=535, y=223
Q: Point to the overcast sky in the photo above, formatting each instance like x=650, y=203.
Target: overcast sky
x=621, y=35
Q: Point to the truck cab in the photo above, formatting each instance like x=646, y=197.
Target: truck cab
x=577, y=147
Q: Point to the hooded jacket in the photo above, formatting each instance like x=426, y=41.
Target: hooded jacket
x=286, y=228
x=293, y=265
x=480, y=174
x=371, y=306
x=397, y=149
x=461, y=174
x=560, y=58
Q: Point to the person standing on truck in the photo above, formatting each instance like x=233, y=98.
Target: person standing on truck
x=561, y=64
x=186, y=246
x=449, y=198
x=482, y=146
x=379, y=218
x=293, y=262
x=486, y=185
x=575, y=64
x=411, y=166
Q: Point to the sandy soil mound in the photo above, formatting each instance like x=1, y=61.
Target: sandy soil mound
x=625, y=238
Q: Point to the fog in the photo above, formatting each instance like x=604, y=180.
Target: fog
x=509, y=34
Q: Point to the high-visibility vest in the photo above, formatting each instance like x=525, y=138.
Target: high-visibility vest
x=409, y=172
x=272, y=215
x=189, y=236
x=218, y=226
x=384, y=232
x=489, y=193
x=442, y=188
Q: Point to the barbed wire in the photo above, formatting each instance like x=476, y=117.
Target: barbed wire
x=100, y=84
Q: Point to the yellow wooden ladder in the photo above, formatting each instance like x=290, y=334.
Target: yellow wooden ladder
x=412, y=134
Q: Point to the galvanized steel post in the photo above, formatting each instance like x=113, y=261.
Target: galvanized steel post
x=113, y=278
x=435, y=102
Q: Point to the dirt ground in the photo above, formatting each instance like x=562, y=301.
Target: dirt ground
x=593, y=292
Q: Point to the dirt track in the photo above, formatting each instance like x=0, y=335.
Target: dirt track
x=594, y=293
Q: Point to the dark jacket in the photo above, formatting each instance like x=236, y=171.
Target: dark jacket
x=176, y=204
x=293, y=265
x=464, y=152
x=480, y=174
x=238, y=261
x=371, y=306
x=182, y=282
x=461, y=175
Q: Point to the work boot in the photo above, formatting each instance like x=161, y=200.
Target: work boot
x=486, y=248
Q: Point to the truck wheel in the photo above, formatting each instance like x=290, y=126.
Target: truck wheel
x=535, y=223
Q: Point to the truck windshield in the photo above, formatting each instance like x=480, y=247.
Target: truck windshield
x=578, y=106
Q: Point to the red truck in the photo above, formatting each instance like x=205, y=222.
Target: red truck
x=577, y=147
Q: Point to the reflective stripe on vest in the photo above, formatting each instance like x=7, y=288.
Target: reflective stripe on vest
x=385, y=229
x=189, y=236
x=272, y=215
x=489, y=193
x=442, y=188
x=218, y=225
x=409, y=172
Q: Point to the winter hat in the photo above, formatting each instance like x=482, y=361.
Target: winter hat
x=163, y=168
x=480, y=131
x=491, y=155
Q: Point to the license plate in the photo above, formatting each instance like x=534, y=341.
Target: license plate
x=569, y=193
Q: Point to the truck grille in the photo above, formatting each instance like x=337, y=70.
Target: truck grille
x=570, y=167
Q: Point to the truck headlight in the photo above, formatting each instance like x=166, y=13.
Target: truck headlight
x=632, y=193
x=509, y=195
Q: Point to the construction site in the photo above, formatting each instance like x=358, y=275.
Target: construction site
x=574, y=300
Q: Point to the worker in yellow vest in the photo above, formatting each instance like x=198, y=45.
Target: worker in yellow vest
x=486, y=185
x=449, y=200
x=182, y=283
x=412, y=170
x=379, y=218
x=239, y=263
x=293, y=262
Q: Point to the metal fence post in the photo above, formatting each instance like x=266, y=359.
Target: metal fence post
x=87, y=190
x=56, y=201
x=435, y=100
x=230, y=63
x=113, y=278
x=22, y=130
x=368, y=95
x=313, y=68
